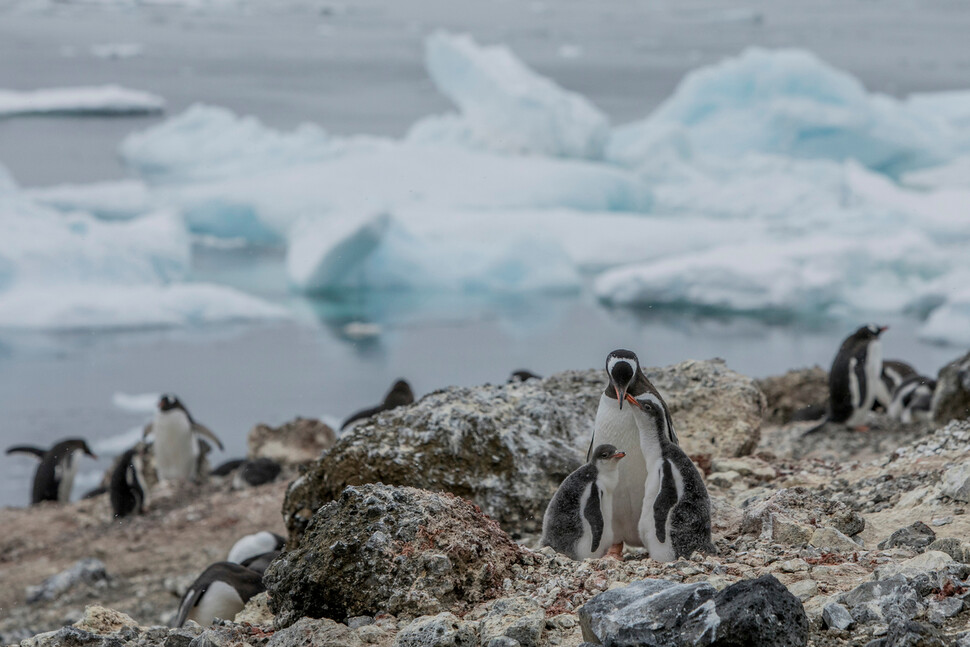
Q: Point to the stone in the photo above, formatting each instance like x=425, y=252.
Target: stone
x=874, y=590
x=939, y=610
x=788, y=532
x=397, y=550
x=298, y=441
x=441, y=630
x=316, y=632
x=832, y=541
x=357, y=622
x=100, y=620
x=518, y=618
x=942, y=521
x=928, y=562
x=793, y=391
x=792, y=565
x=723, y=479
x=256, y=611
x=958, y=549
x=760, y=612
x=804, y=589
x=742, y=466
x=88, y=571
x=836, y=616
x=951, y=399
x=907, y=633
x=791, y=513
x=508, y=447
x=916, y=536
x=956, y=482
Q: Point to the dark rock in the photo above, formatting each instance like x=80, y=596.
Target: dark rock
x=951, y=399
x=795, y=391
x=398, y=550
x=256, y=472
x=85, y=571
x=836, y=616
x=870, y=591
x=442, y=630
x=760, y=612
x=916, y=536
x=519, y=619
x=939, y=610
x=906, y=633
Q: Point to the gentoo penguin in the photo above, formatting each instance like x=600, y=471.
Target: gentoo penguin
x=178, y=442
x=855, y=377
x=676, y=516
x=129, y=493
x=220, y=592
x=912, y=399
x=260, y=563
x=255, y=544
x=894, y=371
x=579, y=519
x=399, y=395
x=615, y=425
x=249, y=472
x=522, y=376
x=54, y=477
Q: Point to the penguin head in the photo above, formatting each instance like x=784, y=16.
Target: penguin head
x=73, y=444
x=607, y=456
x=622, y=366
x=168, y=402
x=870, y=331
x=400, y=394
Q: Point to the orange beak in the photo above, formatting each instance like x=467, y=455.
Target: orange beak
x=632, y=400
x=618, y=455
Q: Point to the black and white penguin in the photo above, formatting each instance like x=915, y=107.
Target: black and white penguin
x=894, y=371
x=399, y=395
x=579, y=519
x=54, y=477
x=260, y=563
x=676, y=516
x=855, y=378
x=912, y=399
x=616, y=425
x=522, y=376
x=220, y=592
x=255, y=544
x=178, y=441
x=128, y=489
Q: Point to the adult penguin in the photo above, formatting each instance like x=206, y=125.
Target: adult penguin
x=54, y=477
x=178, y=442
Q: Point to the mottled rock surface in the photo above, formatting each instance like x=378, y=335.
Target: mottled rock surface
x=793, y=391
x=951, y=399
x=298, y=441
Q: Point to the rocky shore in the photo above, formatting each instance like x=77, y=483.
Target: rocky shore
x=419, y=527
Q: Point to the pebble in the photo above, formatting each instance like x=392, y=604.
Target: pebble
x=942, y=521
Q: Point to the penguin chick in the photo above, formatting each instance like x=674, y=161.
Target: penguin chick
x=579, y=520
x=676, y=516
x=894, y=371
x=399, y=395
x=912, y=399
x=54, y=477
x=220, y=592
x=260, y=563
x=128, y=490
x=255, y=544
x=178, y=442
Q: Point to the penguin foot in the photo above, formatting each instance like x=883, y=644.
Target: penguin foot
x=860, y=428
x=615, y=551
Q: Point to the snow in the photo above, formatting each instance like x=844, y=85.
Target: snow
x=96, y=100
x=119, y=200
x=135, y=403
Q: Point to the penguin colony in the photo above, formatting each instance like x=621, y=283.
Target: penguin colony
x=638, y=487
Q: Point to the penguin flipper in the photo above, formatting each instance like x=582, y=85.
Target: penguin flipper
x=149, y=428
x=365, y=413
x=26, y=449
x=189, y=602
x=205, y=431
x=817, y=427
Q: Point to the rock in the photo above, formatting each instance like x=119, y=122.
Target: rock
x=916, y=536
x=508, y=447
x=299, y=441
x=926, y=563
x=906, y=633
x=956, y=482
x=397, y=550
x=958, y=549
x=803, y=589
x=442, y=630
x=760, y=612
x=874, y=590
x=359, y=621
x=788, y=516
x=256, y=611
x=836, y=616
x=519, y=618
x=792, y=565
x=939, y=610
x=723, y=479
x=85, y=571
x=951, y=399
x=316, y=632
x=832, y=541
x=100, y=620
x=795, y=390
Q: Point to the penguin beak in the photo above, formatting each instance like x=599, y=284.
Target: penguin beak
x=620, y=396
x=883, y=329
x=617, y=455
x=632, y=400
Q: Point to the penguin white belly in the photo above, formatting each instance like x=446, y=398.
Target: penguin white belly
x=583, y=546
x=219, y=601
x=876, y=387
x=618, y=428
x=67, y=471
x=662, y=551
x=606, y=507
x=175, y=449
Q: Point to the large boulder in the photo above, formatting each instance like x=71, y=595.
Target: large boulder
x=951, y=399
x=298, y=441
x=508, y=447
x=792, y=516
x=793, y=391
x=397, y=550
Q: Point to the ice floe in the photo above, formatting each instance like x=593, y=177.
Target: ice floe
x=98, y=100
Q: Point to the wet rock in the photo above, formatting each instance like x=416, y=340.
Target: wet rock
x=299, y=441
x=442, y=630
x=916, y=536
x=832, y=541
x=311, y=631
x=793, y=391
x=760, y=612
x=956, y=482
x=951, y=399
x=520, y=619
x=397, y=550
x=85, y=571
x=836, y=616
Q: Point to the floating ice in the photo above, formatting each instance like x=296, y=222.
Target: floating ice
x=506, y=106
x=119, y=200
x=135, y=403
x=116, y=445
x=100, y=100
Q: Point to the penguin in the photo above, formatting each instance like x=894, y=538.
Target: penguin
x=522, y=376
x=260, y=563
x=255, y=544
x=178, y=441
x=220, y=592
x=676, y=516
x=399, y=395
x=894, y=371
x=912, y=399
x=228, y=467
x=854, y=379
x=579, y=520
x=256, y=472
x=54, y=477
x=129, y=493
x=615, y=425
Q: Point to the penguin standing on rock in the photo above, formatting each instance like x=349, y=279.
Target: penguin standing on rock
x=220, y=592
x=579, y=519
x=616, y=425
x=855, y=378
x=178, y=441
x=127, y=488
x=399, y=395
x=676, y=516
x=54, y=477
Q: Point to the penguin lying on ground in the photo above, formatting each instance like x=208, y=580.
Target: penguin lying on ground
x=522, y=376
x=220, y=592
x=579, y=520
x=676, y=516
x=255, y=544
x=249, y=472
x=855, y=378
x=399, y=395
x=894, y=371
x=54, y=477
x=912, y=399
x=129, y=493
x=178, y=441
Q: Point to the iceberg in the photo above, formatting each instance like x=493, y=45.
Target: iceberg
x=504, y=105
x=119, y=200
x=105, y=100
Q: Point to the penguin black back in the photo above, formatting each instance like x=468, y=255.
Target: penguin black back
x=399, y=395
x=244, y=581
x=55, y=474
x=127, y=487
